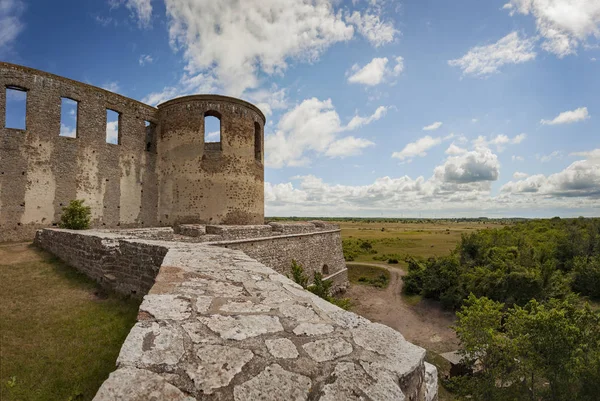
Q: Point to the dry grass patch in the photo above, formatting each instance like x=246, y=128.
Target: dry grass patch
x=59, y=333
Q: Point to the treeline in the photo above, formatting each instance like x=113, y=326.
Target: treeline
x=413, y=220
x=536, y=259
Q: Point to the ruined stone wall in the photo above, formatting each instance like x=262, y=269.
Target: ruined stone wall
x=40, y=171
x=216, y=183
x=169, y=177
x=127, y=267
x=219, y=325
x=315, y=252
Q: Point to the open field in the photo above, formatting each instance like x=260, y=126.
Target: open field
x=59, y=333
x=401, y=239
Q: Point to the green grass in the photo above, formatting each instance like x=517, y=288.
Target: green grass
x=59, y=334
x=368, y=275
x=399, y=240
x=411, y=299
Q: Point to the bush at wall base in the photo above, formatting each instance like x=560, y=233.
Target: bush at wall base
x=76, y=216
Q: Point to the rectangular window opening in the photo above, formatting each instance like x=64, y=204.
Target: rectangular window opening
x=69, y=113
x=113, y=127
x=150, y=137
x=212, y=131
x=16, y=107
x=257, y=142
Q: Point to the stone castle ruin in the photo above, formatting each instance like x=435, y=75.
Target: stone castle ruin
x=179, y=221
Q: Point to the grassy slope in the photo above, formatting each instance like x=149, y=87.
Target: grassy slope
x=59, y=340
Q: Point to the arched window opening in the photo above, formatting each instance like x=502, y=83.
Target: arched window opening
x=325, y=270
x=212, y=130
x=257, y=142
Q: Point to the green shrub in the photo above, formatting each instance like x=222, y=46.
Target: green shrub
x=298, y=275
x=380, y=281
x=320, y=287
x=76, y=216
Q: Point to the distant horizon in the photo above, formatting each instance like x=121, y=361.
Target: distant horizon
x=433, y=218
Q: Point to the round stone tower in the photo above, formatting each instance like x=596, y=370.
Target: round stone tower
x=219, y=180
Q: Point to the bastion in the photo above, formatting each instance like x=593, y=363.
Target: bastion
x=178, y=220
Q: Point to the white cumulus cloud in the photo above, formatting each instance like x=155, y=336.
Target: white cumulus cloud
x=417, y=148
x=486, y=60
x=314, y=126
x=348, y=146
x=568, y=117
x=479, y=165
x=371, y=74
x=454, y=150
x=563, y=24
x=520, y=175
x=375, y=72
x=371, y=26
x=579, y=180
x=259, y=35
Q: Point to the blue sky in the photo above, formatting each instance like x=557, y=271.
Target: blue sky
x=374, y=107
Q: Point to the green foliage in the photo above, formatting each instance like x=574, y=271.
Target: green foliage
x=76, y=216
x=354, y=247
x=320, y=287
x=538, y=259
x=298, y=275
x=380, y=281
x=517, y=350
x=586, y=277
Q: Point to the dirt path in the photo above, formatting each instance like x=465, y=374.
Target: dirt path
x=425, y=324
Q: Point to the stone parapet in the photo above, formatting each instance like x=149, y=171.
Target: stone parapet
x=219, y=325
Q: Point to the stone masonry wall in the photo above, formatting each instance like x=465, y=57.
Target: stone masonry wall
x=127, y=267
x=163, y=179
x=315, y=252
x=219, y=325
x=40, y=171
x=213, y=183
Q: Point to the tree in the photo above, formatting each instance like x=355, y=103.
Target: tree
x=519, y=349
